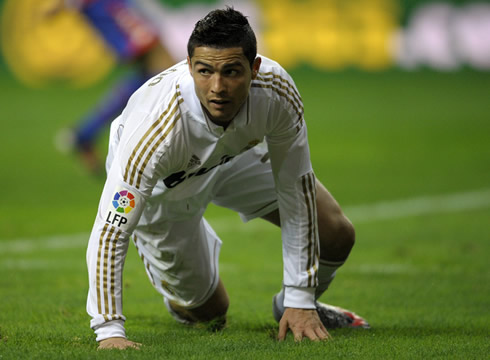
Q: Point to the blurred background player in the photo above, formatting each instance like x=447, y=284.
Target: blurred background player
x=134, y=41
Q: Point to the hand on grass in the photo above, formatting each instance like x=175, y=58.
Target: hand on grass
x=302, y=323
x=118, y=343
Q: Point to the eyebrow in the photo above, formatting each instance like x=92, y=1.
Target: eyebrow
x=233, y=64
x=236, y=63
x=202, y=63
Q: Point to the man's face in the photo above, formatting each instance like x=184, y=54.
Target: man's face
x=222, y=80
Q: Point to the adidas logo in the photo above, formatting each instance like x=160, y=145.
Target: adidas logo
x=194, y=161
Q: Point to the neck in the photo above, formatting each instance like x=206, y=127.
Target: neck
x=223, y=124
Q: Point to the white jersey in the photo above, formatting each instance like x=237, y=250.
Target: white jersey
x=164, y=149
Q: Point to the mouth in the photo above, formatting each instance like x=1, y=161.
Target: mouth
x=219, y=102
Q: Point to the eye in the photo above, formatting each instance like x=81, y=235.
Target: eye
x=204, y=71
x=232, y=72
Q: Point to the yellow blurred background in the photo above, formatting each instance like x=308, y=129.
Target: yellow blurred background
x=371, y=35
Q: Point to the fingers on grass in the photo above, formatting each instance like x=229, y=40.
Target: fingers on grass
x=283, y=330
x=119, y=343
x=322, y=334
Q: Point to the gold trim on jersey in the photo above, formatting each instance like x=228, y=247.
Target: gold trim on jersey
x=282, y=90
x=160, y=123
x=97, y=279
x=107, y=244
x=112, y=288
x=298, y=111
x=308, y=182
x=105, y=271
x=295, y=94
x=158, y=142
x=143, y=138
x=317, y=243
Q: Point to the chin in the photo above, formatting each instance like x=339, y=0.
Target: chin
x=221, y=122
x=220, y=118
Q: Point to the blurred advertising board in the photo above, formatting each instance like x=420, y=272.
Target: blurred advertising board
x=367, y=34
x=331, y=35
x=378, y=34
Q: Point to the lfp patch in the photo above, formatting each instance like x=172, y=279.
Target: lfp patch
x=123, y=201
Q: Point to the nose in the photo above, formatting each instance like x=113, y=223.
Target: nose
x=217, y=84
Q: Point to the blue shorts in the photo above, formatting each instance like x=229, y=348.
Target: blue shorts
x=122, y=27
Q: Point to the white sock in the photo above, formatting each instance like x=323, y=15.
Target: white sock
x=278, y=305
x=326, y=274
x=280, y=301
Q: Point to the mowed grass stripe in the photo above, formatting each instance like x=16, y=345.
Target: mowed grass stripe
x=385, y=210
x=422, y=205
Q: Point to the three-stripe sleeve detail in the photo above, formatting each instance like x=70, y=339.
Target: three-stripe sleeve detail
x=283, y=88
x=101, y=242
x=308, y=184
x=149, y=142
x=106, y=273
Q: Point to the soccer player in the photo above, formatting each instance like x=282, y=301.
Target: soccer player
x=134, y=42
x=226, y=126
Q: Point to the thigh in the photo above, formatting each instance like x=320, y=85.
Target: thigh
x=247, y=185
x=181, y=259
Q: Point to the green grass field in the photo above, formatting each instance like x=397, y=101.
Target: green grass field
x=419, y=271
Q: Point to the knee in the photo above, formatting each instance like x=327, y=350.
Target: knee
x=213, y=313
x=215, y=307
x=337, y=238
x=221, y=306
x=346, y=232
x=215, y=317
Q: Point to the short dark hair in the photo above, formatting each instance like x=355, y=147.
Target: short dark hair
x=224, y=29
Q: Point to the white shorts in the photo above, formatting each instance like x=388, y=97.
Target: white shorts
x=181, y=254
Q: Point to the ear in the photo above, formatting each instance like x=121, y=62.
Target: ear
x=256, y=67
x=189, y=64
